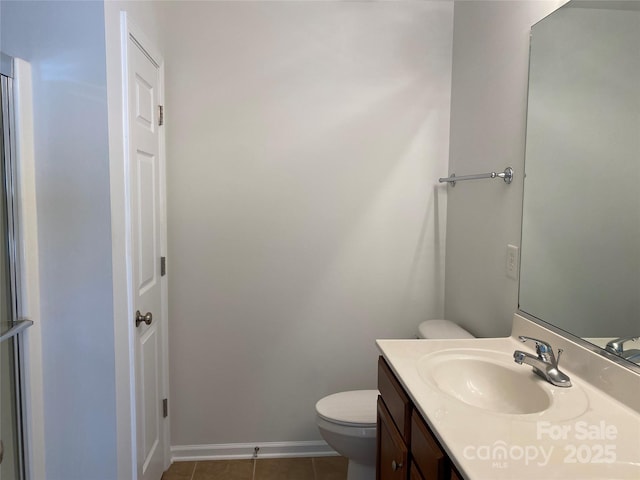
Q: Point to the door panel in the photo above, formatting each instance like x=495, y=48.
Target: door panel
x=147, y=233
x=144, y=103
x=150, y=392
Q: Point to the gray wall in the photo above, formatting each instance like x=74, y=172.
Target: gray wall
x=488, y=112
x=304, y=144
x=64, y=41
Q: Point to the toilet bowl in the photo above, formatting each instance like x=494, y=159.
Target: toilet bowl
x=347, y=420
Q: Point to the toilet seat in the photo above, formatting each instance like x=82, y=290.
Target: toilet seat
x=356, y=408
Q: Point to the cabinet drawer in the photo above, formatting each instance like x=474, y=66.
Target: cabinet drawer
x=395, y=399
x=426, y=453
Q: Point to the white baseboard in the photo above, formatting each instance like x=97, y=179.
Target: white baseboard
x=231, y=451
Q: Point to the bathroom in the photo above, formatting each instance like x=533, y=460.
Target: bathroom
x=304, y=143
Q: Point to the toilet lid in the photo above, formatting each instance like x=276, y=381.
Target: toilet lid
x=357, y=407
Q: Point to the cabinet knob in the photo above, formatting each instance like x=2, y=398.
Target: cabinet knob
x=395, y=466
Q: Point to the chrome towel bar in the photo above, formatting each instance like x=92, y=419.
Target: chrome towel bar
x=507, y=176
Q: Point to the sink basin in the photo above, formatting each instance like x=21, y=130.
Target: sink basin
x=488, y=380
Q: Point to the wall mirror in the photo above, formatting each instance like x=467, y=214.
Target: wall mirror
x=580, y=256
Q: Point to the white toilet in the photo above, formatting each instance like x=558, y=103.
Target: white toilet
x=347, y=420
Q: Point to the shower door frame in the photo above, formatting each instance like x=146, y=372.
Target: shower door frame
x=11, y=240
x=21, y=193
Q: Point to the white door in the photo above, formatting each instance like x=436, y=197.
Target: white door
x=146, y=224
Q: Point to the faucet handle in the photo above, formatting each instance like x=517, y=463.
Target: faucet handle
x=560, y=350
x=542, y=347
x=616, y=346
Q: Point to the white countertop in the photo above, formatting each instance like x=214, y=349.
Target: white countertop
x=585, y=434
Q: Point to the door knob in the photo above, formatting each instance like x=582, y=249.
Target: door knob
x=395, y=466
x=143, y=318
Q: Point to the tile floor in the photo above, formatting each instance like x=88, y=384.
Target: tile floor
x=316, y=468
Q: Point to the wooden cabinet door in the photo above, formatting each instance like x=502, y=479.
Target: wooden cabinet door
x=414, y=473
x=392, y=454
x=426, y=453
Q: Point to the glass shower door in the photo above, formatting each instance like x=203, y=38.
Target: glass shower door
x=12, y=464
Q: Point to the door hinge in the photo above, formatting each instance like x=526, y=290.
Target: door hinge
x=165, y=407
x=163, y=266
x=160, y=114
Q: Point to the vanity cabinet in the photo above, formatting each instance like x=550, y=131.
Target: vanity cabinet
x=406, y=448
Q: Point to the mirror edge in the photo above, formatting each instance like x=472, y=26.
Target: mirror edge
x=581, y=342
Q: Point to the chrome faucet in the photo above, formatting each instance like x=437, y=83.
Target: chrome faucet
x=617, y=346
x=545, y=364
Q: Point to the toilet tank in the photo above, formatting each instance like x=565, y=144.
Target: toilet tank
x=441, y=329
